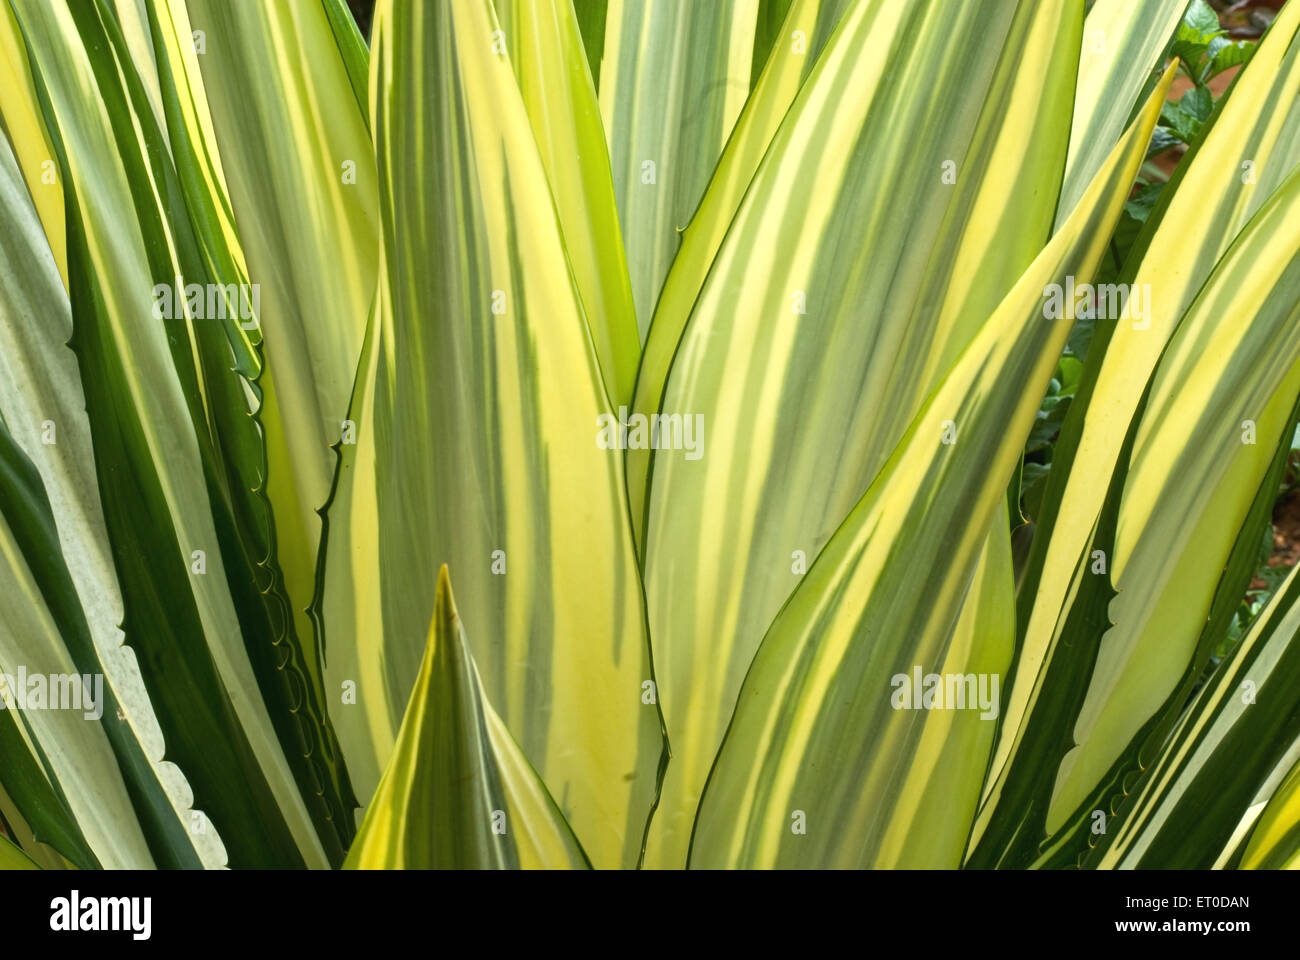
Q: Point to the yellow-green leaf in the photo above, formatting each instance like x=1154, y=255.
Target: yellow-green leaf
x=821, y=326
x=809, y=24
x=1275, y=843
x=1228, y=753
x=1122, y=43
x=289, y=147
x=477, y=425
x=12, y=857
x=546, y=52
x=1245, y=155
x=672, y=82
x=822, y=706
x=457, y=793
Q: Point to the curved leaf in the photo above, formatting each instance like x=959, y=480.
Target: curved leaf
x=1122, y=44
x=12, y=857
x=1245, y=152
x=821, y=327
x=546, y=52
x=1185, y=808
x=818, y=740
x=1275, y=844
x=178, y=457
x=811, y=23
x=672, y=82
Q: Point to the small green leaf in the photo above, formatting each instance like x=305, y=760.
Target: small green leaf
x=1225, y=54
x=1198, y=103
x=1142, y=202
x=1199, y=21
x=1198, y=29
x=1162, y=140
x=1189, y=114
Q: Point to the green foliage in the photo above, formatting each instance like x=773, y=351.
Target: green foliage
x=709, y=350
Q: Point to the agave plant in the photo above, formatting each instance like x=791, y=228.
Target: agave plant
x=698, y=344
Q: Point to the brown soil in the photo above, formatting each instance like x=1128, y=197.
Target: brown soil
x=1286, y=535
